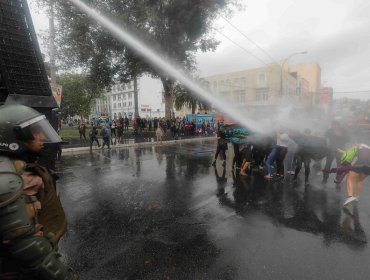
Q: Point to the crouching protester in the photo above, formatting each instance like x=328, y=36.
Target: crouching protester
x=32, y=219
x=355, y=162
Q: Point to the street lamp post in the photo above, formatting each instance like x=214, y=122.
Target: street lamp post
x=281, y=71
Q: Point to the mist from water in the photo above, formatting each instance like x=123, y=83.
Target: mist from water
x=268, y=122
x=170, y=69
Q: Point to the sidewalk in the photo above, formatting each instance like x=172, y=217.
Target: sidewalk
x=140, y=144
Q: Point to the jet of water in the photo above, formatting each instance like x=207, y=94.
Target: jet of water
x=143, y=50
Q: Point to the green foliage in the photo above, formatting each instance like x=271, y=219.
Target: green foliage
x=184, y=97
x=78, y=94
x=175, y=29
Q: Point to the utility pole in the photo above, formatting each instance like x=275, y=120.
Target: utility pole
x=281, y=91
x=52, y=43
x=136, y=97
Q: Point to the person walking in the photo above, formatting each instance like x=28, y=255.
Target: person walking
x=271, y=155
x=105, y=133
x=119, y=133
x=302, y=156
x=159, y=133
x=283, y=141
x=127, y=122
x=82, y=131
x=221, y=146
x=113, y=133
x=94, y=136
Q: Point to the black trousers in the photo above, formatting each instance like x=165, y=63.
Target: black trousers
x=302, y=158
x=280, y=156
x=221, y=150
x=329, y=160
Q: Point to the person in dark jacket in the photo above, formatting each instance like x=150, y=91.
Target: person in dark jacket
x=336, y=139
x=221, y=146
x=94, y=136
x=309, y=148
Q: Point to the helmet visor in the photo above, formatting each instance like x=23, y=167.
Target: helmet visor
x=41, y=130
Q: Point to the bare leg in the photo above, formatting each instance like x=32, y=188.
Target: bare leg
x=360, y=182
x=351, y=182
x=244, y=168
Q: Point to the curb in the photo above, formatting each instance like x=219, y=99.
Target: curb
x=143, y=144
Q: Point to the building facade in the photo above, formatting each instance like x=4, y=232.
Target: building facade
x=116, y=102
x=122, y=100
x=312, y=73
x=271, y=85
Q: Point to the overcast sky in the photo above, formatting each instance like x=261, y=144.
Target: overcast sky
x=335, y=33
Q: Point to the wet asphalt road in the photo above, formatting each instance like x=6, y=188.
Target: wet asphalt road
x=163, y=212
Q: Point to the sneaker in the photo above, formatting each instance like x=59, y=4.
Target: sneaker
x=349, y=200
x=269, y=177
x=243, y=173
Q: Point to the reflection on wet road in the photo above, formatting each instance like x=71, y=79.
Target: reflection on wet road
x=164, y=213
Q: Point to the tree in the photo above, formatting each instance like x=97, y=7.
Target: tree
x=78, y=94
x=177, y=28
x=184, y=97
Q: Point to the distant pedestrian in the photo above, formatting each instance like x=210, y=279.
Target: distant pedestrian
x=283, y=141
x=82, y=131
x=113, y=127
x=94, y=136
x=221, y=146
x=105, y=133
x=271, y=155
x=150, y=124
x=127, y=122
x=119, y=133
x=303, y=156
x=159, y=133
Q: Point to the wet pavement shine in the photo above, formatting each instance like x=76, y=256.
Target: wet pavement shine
x=163, y=212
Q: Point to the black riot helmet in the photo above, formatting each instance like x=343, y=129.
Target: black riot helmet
x=19, y=124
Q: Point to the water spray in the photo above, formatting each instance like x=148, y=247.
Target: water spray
x=143, y=50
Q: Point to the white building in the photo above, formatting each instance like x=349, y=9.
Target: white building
x=116, y=103
x=122, y=100
x=119, y=100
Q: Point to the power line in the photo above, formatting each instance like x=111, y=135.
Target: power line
x=256, y=57
x=355, y=91
x=249, y=39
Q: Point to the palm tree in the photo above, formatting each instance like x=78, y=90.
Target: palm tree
x=184, y=97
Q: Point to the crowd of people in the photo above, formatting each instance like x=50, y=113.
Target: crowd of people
x=112, y=131
x=285, y=151
x=278, y=154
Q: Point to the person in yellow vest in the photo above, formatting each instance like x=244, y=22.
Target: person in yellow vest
x=358, y=158
x=32, y=219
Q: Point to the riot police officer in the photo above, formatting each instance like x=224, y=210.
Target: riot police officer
x=32, y=219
